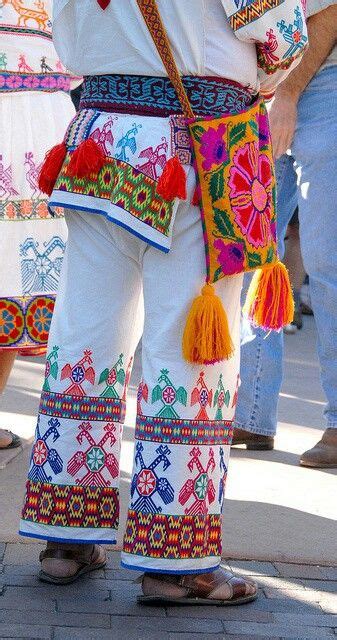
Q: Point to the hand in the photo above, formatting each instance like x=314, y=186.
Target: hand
x=283, y=120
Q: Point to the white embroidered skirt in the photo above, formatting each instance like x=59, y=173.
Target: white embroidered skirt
x=32, y=242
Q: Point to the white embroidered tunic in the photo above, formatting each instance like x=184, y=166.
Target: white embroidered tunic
x=253, y=43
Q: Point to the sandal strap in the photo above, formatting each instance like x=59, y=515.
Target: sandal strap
x=65, y=554
x=202, y=585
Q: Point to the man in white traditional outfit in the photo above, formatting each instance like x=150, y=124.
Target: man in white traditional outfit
x=127, y=246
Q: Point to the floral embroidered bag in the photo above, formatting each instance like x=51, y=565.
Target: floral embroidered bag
x=236, y=192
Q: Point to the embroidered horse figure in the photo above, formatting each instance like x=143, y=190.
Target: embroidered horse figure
x=52, y=368
x=147, y=483
x=104, y=136
x=23, y=66
x=293, y=33
x=203, y=396
x=201, y=488
x=3, y=61
x=155, y=158
x=95, y=458
x=42, y=454
x=168, y=395
x=78, y=374
x=111, y=377
x=40, y=270
x=221, y=398
x=44, y=66
x=28, y=16
x=6, y=181
x=128, y=142
x=32, y=173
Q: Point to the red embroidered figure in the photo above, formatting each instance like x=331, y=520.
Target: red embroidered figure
x=94, y=459
x=78, y=373
x=269, y=47
x=104, y=136
x=236, y=393
x=203, y=396
x=201, y=489
x=155, y=157
x=142, y=394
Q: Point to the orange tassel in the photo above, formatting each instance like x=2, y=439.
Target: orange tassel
x=206, y=338
x=51, y=168
x=172, y=182
x=88, y=158
x=270, y=302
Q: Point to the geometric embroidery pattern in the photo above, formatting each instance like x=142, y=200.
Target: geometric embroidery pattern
x=168, y=395
x=252, y=12
x=112, y=377
x=25, y=320
x=177, y=431
x=146, y=482
x=40, y=268
x=43, y=455
x=124, y=186
x=78, y=373
x=85, y=408
x=202, y=396
x=95, y=460
x=201, y=488
x=221, y=399
x=172, y=536
x=71, y=506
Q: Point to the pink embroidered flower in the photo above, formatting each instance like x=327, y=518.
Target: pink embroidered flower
x=31, y=82
x=231, y=256
x=250, y=185
x=49, y=82
x=213, y=147
x=14, y=82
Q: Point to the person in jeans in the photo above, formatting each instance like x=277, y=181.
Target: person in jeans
x=303, y=119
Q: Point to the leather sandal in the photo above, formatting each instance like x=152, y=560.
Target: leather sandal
x=199, y=588
x=86, y=564
x=16, y=442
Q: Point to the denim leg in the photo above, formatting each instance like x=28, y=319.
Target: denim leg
x=262, y=353
x=316, y=163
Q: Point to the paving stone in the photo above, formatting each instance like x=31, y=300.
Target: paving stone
x=22, y=553
x=228, y=613
x=329, y=603
x=33, y=632
x=307, y=619
x=324, y=586
x=330, y=573
x=279, y=630
x=20, y=598
x=55, y=618
x=311, y=572
x=2, y=549
x=253, y=567
x=124, y=633
x=280, y=583
x=302, y=595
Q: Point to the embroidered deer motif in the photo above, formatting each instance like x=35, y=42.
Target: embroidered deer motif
x=23, y=66
x=6, y=181
x=28, y=16
x=33, y=171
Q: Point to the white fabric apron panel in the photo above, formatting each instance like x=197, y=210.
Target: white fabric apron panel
x=136, y=148
x=32, y=242
x=184, y=412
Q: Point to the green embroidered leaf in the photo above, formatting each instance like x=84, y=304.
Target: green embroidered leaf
x=227, y=398
x=156, y=394
x=254, y=260
x=121, y=376
x=254, y=127
x=236, y=133
x=223, y=223
x=218, y=274
x=197, y=132
x=182, y=396
x=104, y=376
x=270, y=255
x=217, y=185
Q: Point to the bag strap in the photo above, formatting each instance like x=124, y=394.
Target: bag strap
x=155, y=25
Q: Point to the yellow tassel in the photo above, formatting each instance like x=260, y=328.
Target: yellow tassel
x=206, y=337
x=270, y=302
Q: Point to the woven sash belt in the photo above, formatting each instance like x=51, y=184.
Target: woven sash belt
x=156, y=96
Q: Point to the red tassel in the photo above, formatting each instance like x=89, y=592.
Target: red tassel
x=88, y=158
x=196, y=197
x=51, y=168
x=172, y=182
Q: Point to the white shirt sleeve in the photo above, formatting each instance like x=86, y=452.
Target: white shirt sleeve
x=277, y=28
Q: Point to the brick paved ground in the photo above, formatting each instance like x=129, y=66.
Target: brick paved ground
x=296, y=601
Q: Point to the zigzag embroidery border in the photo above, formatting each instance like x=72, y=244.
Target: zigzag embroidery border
x=252, y=12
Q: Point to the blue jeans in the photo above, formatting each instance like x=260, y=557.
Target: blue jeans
x=307, y=178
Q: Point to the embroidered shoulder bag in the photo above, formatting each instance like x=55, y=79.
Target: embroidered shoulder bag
x=236, y=192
